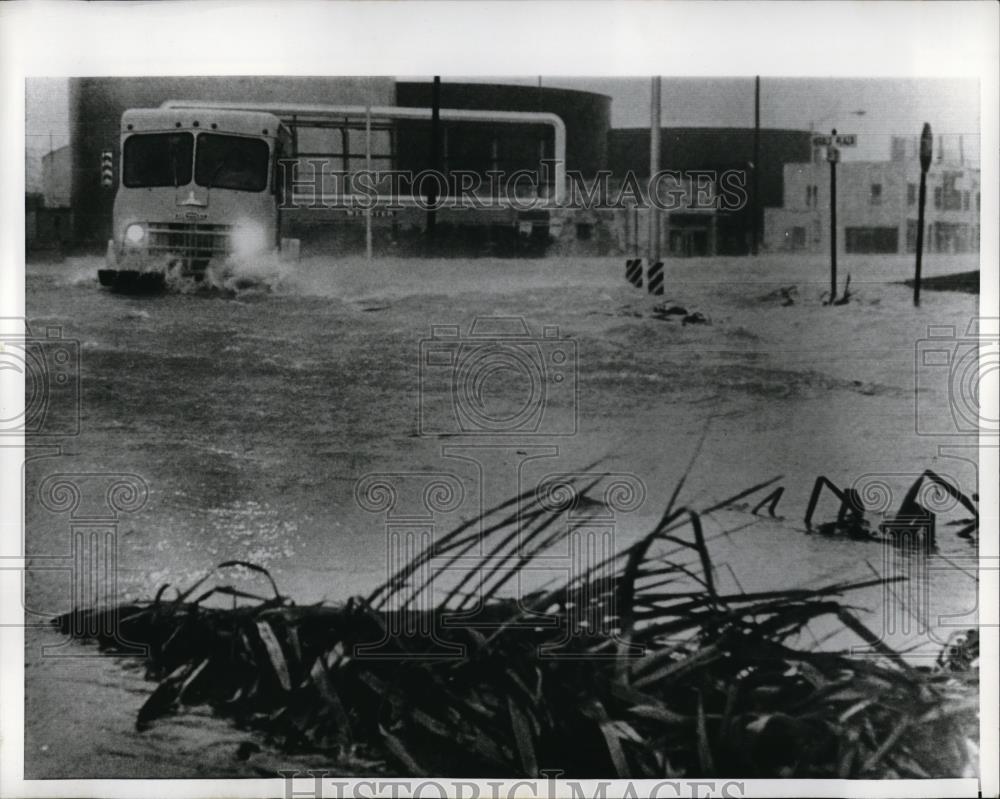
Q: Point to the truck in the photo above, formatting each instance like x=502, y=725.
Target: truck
x=194, y=185
x=201, y=182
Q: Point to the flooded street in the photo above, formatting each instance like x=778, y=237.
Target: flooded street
x=248, y=414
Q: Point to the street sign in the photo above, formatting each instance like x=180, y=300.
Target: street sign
x=926, y=147
x=841, y=140
x=832, y=154
x=926, y=153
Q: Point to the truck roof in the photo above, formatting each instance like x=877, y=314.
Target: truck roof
x=248, y=123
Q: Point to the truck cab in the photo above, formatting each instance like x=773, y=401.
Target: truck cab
x=194, y=187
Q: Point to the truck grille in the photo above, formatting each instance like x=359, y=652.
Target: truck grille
x=194, y=243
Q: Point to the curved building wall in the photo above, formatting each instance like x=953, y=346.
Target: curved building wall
x=587, y=117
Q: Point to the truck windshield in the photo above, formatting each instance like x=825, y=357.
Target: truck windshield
x=231, y=162
x=157, y=159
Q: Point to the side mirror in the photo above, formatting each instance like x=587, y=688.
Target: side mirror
x=107, y=169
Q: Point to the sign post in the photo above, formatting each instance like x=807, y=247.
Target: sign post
x=432, y=197
x=926, y=151
x=833, y=155
x=833, y=144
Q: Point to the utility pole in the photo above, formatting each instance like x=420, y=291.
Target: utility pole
x=654, y=168
x=368, y=169
x=926, y=151
x=542, y=189
x=755, y=196
x=833, y=155
x=435, y=156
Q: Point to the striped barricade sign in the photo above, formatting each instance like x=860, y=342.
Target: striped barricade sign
x=633, y=272
x=654, y=278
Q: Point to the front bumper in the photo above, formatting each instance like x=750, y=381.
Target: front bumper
x=131, y=272
x=132, y=281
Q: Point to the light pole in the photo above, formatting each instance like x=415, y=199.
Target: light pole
x=654, y=272
x=432, y=197
x=833, y=155
x=754, y=190
x=655, y=120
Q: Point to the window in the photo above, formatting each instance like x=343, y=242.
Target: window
x=875, y=195
x=871, y=239
x=965, y=201
x=912, y=228
x=938, y=195
x=231, y=162
x=911, y=193
x=795, y=238
x=157, y=159
x=952, y=200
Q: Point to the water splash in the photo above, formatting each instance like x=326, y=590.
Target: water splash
x=260, y=274
x=75, y=271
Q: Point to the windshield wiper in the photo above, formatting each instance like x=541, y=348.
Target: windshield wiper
x=214, y=175
x=173, y=163
x=216, y=171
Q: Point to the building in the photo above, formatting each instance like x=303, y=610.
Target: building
x=46, y=229
x=714, y=150
x=48, y=215
x=877, y=207
x=950, y=148
x=57, y=177
x=587, y=116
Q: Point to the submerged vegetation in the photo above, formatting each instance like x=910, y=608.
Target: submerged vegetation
x=638, y=665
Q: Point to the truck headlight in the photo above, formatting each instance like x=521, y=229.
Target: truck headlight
x=134, y=234
x=248, y=239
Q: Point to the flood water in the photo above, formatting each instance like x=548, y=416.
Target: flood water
x=246, y=415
